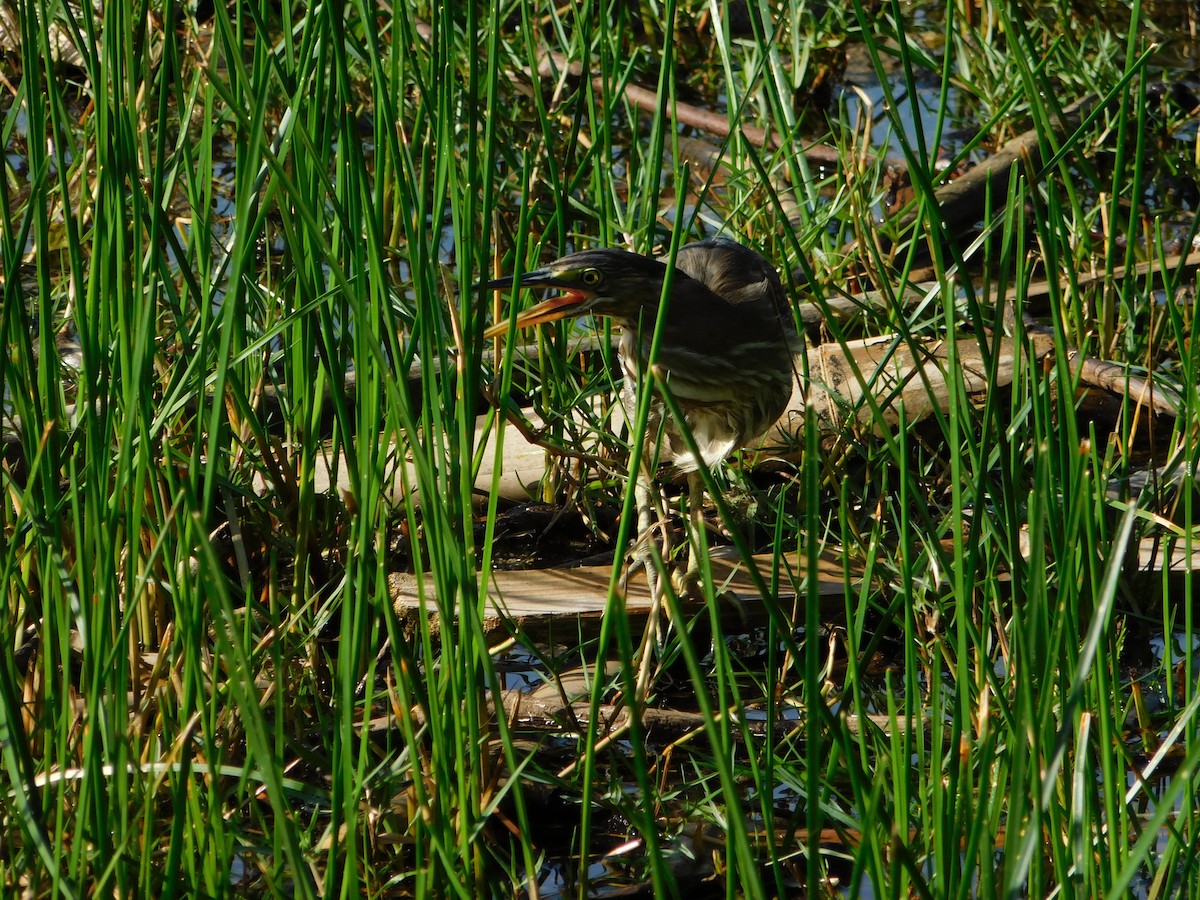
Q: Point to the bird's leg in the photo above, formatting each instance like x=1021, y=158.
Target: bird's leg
x=644, y=555
x=688, y=584
x=641, y=555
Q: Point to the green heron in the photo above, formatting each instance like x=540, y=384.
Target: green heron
x=726, y=349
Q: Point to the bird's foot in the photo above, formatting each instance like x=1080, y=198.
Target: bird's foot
x=641, y=559
x=689, y=584
x=738, y=605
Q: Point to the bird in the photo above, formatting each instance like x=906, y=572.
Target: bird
x=726, y=353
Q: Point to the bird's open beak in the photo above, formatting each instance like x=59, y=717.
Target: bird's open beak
x=561, y=307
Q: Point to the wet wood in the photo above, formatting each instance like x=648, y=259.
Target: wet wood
x=550, y=606
x=566, y=605
x=563, y=705
x=1170, y=554
x=1157, y=555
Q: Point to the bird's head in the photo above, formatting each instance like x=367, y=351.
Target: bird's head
x=603, y=282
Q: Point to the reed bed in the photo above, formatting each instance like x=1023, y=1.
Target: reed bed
x=239, y=253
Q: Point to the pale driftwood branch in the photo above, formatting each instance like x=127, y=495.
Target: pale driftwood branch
x=1185, y=263
x=877, y=382
x=549, y=709
x=562, y=705
x=565, y=606
x=1168, y=553
x=536, y=600
x=1116, y=379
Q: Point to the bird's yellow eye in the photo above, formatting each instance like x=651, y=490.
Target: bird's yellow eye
x=591, y=277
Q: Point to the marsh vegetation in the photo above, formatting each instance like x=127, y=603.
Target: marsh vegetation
x=247, y=398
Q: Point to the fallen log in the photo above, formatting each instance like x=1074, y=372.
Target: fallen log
x=566, y=605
